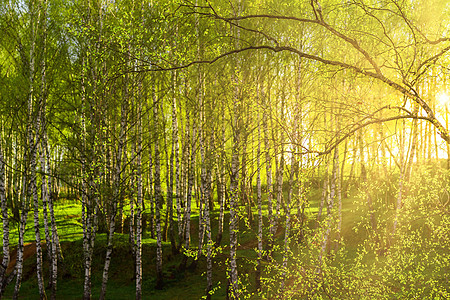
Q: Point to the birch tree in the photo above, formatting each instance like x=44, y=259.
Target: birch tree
x=158, y=196
x=5, y=226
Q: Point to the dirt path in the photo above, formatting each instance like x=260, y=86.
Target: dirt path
x=29, y=250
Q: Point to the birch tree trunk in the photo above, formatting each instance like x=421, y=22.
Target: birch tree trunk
x=158, y=196
x=174, y=152
x=185, y=166
x=45, y=195
x=89, y=201
x=201, y=135
x=5, y=226
x=337, y=184
x=328, y=194
x=32, y=139
x=234, y=192
x=338, y=198
x=401, y=178
x=234, y=291
x=178, y=188
x=151, y=190
x=280, y=166
x=324, y=196
x=51, y=235
x=23, y=221
x=85, y=216
x=207, y=159
x=209, y=244
x=34, y=192
x=139, y=197
x=191, y=177
x=266, y=106
x=220, y=181
x=287, y=238
x=118, y=189
x=259, y=203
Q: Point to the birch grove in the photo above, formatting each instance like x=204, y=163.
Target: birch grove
x=224, y=149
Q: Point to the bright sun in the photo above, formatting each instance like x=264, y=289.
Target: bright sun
x=443, y=98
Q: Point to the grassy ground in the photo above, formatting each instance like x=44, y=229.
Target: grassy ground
x=190, y=284
x=121, y=285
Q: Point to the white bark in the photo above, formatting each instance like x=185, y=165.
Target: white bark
x=287, y=238
x=172, y=171
x=234, y=193
x=20, y=246
x=221, y=183
x=209, y=244
x=191, y=176
x=158, y=196
x=88, y=202
x=266, y=105
x=259, y=202
x=138, y=250
x=5, y=225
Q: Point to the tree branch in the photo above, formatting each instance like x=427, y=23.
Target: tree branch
x=351, y=132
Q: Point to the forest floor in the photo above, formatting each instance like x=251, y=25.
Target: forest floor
x=29, y=251
x=188, y=284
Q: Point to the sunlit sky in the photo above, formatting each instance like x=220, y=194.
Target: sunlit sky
x=443, y=98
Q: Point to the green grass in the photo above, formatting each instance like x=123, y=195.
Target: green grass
x=356, y=263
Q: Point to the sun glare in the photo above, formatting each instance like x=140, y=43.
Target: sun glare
x=443, y=98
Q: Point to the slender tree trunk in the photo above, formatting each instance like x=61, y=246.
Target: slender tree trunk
x=344, y=159
x=327, y=197
x=139, y=198
x=118, y=189
x=259, y=250
x=401, y=178
x=55, y=246
x=324, y=197
x=233, y=213
x=31, y=188
x=33, y=183
x=201, y=135
x=5, y=226
x=245, y=180
x=221, y=183
x=178, y=187
x=206, y=190
x=158, y=197
x=85, y=199
x=184, y=185
x=209, y=283
x=191, y=177
x=337, y=196
x=266, y=105
x=34, y=142
x=52, y=239
x=233, y=291
x=448, y=145
x=151, y=192
x=203, y=176
x=414, y=141
x=280, y=166
x=337, y=183
x=287, y=238
x=234, y=194
x=22, y=225
x=171, y=173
